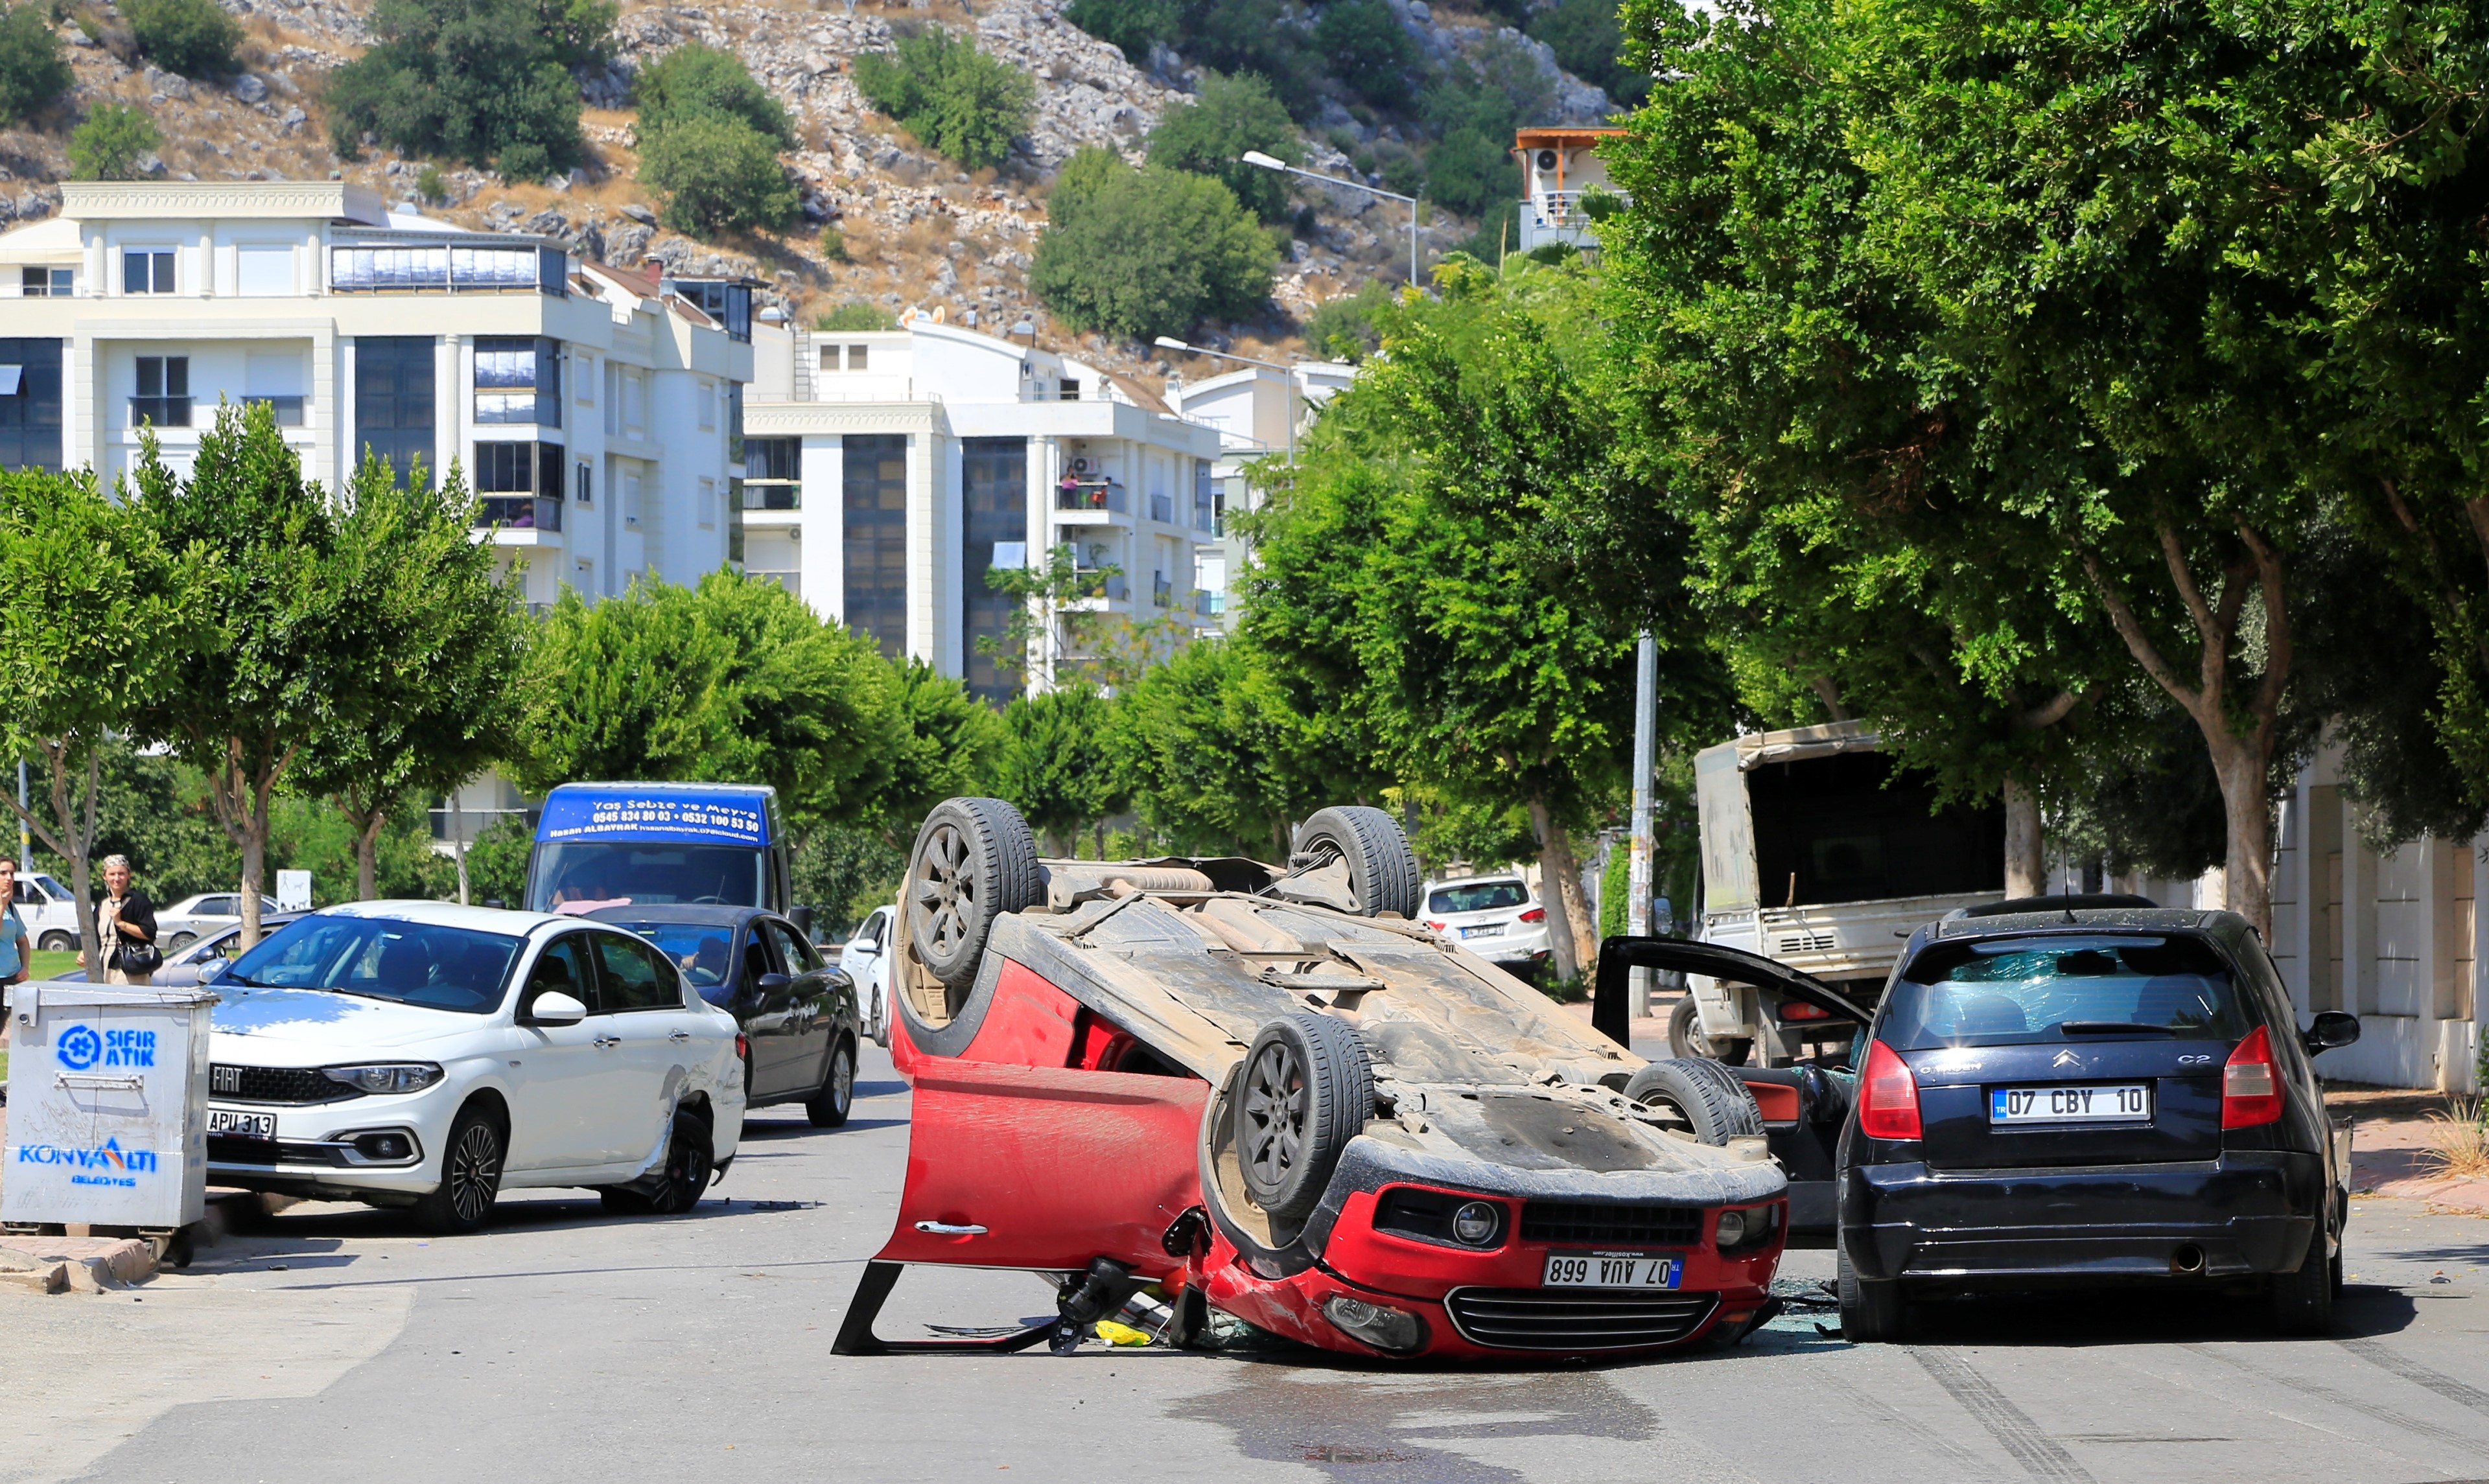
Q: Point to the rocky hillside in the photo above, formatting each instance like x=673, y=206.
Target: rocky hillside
x=914, y=231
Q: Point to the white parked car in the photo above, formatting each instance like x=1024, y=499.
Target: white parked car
x=1496, y=917
x=425, y=1055
x=193, y=918
x=866, y=960
x=48, y=911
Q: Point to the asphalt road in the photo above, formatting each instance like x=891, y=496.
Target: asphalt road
x=565, y=1345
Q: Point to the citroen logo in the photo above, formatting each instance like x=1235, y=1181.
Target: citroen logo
x=2066, y=1058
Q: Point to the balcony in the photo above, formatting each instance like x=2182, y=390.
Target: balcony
x=792, y=582
x=758, y=496
x=1208, y=604
x=1097, y=582
x=288, y=410
x=519, y=512
x=1162, y=593
x=441, y=268
x=159, y=412
x=1162, y=510
x=1091, y=494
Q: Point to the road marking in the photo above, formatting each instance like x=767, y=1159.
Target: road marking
x=2041, y=1456
x=2388, y=1358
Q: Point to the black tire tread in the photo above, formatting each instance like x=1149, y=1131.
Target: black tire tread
x=1340, y=1075
x=1713, y=1098
x=2303, y=1301
x=1381, y=868
x=1006, y=870
x=822, y=1110
x=1871, y=1312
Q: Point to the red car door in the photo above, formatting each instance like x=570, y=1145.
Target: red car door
x=1018, y=1166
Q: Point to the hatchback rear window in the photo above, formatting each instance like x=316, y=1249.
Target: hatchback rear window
x=2016, y=990
x=1478, y=897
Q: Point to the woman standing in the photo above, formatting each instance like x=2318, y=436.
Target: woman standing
x=125, y=921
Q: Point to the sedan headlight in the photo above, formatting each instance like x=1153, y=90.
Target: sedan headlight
x=385, y=1076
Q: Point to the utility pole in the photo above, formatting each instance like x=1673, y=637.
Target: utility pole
x=25, y=836
x=1646, y=722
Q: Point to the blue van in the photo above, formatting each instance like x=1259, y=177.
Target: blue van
x=614, y=844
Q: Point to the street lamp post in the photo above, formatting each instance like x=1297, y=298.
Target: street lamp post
x=1257, y=157
x=1172, y=343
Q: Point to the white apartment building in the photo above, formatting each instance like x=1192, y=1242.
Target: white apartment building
x=592, y=408
x=1258, y=412
x=885, y=473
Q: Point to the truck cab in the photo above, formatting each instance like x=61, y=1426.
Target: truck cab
x=1819, y=853
x=642, y=845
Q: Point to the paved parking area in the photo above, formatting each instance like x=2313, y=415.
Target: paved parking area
x=567, y=1345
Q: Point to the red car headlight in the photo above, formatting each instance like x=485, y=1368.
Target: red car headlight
x=1376, y=1323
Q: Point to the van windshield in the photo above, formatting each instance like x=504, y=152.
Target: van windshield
x=2013, y=991
x=582, y=876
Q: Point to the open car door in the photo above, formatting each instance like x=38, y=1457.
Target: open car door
x=1612, y=1014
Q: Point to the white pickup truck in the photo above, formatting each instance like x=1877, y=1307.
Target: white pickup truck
x=48, y=911
x=1814, y=854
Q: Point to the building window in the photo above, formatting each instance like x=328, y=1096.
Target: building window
x=29, y=404
x=875, y=538
x=633, y=486
x=773, y=473
x=584, y=489
x=394, y=407
x=265, y=273
x=708, y=407
x=1066, y=390
x=1204, y=501
x=518, y=379
x=859, y=356
x=45, y=282
x=519, y=485
x=164, y=392
x=709, y=504
x=449, y=270
x=993, y=484
x=275, y=378
x=728, y=303
x=146, y=271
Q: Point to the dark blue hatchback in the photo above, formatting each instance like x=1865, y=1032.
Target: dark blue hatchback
x=2072, y=1096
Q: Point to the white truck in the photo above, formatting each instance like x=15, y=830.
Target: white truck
x=1814, y=853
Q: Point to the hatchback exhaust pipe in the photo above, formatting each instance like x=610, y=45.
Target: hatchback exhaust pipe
x=2188, y=1258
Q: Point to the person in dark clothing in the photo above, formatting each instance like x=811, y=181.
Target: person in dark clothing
x=124, y=919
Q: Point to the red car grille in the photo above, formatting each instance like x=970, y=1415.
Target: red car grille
x=1613, y=1223
x=1552, y=1319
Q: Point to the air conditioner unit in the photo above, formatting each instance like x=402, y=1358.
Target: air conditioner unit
x=1080, y=465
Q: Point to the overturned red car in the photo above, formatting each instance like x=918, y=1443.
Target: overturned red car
x=1269, y=1091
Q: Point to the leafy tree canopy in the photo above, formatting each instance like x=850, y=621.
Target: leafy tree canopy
x=32, y=70
x=112, y=143
x=1139, y=253
x=1210, y=135
x=486, y=81
x=194, y=38
x=965, y=104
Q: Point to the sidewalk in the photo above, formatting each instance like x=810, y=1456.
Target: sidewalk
x=2392, y=1137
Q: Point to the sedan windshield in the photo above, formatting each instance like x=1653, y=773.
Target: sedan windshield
x=2018, y=990
x=702, y=950
x=384, y=958
x=1478, y=897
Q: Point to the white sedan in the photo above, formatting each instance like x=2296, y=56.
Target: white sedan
x=865, y=959
x=193, y=918
x=423, y=1055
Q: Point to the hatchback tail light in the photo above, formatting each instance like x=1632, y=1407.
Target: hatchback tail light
x=1535, y=915
x=1888, y=1101
x=2252, y=1084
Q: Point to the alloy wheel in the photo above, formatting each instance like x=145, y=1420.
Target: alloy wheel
x=843, y=1078
x=949, y=890
x=475, y=1172
x=1274, y=1114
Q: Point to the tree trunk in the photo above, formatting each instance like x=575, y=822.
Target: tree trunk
x=2246, y=875
x=2026, y=866
x=458, y=841
x=77, y=845
x=367, y=871
x=1567, y=916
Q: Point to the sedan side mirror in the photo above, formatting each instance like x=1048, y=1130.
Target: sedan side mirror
x=554, y=1007
x=867, y=947
x=2332, y=1028
x=213, y=970
x=771, y=983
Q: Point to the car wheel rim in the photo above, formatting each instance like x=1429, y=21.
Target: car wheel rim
x=474, y=1173
x=1275, y=1115
x=843, y=1079
x=949, y=891
x=1673, y=1116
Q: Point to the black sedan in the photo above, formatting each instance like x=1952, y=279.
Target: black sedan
x=797, y=1011
x=2079, y=1096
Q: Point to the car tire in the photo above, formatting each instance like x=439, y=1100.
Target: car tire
x=2303, y=1301
x=470, y=1175
x=1382, y=871
x=975, y=862
x=1874, y=1311
x=180, y=941
x=1303, y=1092
x=1715, y=1106
x=1687, y=1043
x=828, y=1107
x=57, y=943
x=880, y=1020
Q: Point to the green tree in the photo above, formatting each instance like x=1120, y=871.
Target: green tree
x=111, y=143
x=486, y=81
x=1587, y=42
x=1132, y=25
x=698, y=80
x=497, y=861
x=1366, y=48
x=1217, y=762
x=855, y=314
x=717, y=175
x=31, y=70
x=1140, y=253
x=1343, y=328
x=1059, y=764
x=98, y=612
x=965, y=105
x=1210, y=135
x=948, y=743
x=447, y=639
x=285, y=657
x=194, y=38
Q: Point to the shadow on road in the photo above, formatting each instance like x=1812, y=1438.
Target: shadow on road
x=2144, y=1317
